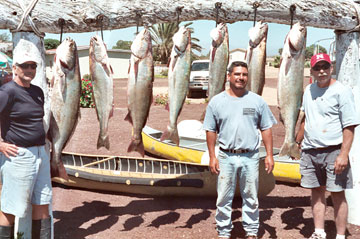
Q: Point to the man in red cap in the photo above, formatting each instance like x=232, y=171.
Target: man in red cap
x=325, y=135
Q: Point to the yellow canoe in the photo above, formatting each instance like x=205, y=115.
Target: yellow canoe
x=148, y=176
x=194, y=150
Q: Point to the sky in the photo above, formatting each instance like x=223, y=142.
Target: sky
x=238, y=33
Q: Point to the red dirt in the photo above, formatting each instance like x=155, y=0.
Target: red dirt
x=284, y=213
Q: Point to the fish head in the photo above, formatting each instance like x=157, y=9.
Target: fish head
x=218, y=34
x=258, y=32
x=142, y=43
x=181, y=38
x=297, y=37
x=97, y=48
x=66, y=53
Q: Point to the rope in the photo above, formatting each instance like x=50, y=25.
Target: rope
x=26, y=15
x=357, y=10
x=255, y=6
x=292, y=11
x=217, y=8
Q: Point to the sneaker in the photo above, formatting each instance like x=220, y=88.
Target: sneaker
x=317, y=236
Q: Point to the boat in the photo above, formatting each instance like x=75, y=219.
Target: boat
x=194, y=149
x=147, y=176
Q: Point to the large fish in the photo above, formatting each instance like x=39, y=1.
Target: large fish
x=140, y=83
x=103, y=88
x=256, y=57
x=178, y=75
x=219, y=59
x=65, y=101
x=290, y=86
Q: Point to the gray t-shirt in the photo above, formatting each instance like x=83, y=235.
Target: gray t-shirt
x=327, y=111
x=238, y=119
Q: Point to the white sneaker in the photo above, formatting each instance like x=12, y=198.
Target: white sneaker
x=317, y=236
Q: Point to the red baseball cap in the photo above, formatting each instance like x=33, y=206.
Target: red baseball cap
x=319, y=57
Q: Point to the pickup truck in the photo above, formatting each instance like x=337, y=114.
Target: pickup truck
x=199, y=77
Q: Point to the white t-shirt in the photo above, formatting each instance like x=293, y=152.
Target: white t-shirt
x=327, y=112
x=238, y=119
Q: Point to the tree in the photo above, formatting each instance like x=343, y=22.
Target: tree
x=162, y=40
x=51, y=43
x=125, y=45
x=4, y=37
x=310, y=51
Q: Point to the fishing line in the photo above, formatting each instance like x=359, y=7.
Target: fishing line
x=138, y=18
x=217, y=8
x=99, y=19
x=178, y=12
x=292, y=11
x=61, y=23
x=255, y=6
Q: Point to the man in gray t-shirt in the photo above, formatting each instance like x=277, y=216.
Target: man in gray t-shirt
x=326, y=132
x=237, y=115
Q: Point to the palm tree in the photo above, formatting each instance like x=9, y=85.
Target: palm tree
x=162, y=37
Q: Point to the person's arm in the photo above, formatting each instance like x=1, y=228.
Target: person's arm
x=342, y=159
x=214, y=162
x=268, y=142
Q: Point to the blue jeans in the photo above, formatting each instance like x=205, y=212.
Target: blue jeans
x=245, y=167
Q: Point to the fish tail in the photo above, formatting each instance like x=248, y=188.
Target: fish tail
x=103, y=142
x=290, y=149
x=57, y=168
x=171, y=134
x=136, y=145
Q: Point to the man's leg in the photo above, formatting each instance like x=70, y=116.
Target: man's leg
x=6, y=225
x=340, y=211
x=249, y=183
x=226, y=184
x=41, y=224
x=318, y=204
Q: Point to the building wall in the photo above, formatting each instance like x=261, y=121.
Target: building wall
x=119, y=62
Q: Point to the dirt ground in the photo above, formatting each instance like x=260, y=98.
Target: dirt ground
x=284, y=213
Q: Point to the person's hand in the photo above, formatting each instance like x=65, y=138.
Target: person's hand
x=269, y=163
x=341, y=163
x=214, y=165
x=8, y=149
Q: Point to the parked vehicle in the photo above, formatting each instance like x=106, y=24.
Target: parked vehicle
x=199, y=77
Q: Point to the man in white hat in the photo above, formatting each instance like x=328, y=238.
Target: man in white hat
x=24, y=163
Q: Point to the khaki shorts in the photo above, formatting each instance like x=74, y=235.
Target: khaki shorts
x=317, y=169
x=25, y=180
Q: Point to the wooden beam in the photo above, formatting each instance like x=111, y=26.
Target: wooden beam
x=82, y=15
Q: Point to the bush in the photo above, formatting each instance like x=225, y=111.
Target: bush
x=161, y=99
x=86, y=98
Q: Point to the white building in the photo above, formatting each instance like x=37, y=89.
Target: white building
x=119, y=61
x=237, y=54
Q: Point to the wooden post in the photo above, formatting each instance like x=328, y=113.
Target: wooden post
x=348, y=73
x=37, y=46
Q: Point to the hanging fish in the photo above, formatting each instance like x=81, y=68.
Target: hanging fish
x=256, y=57
x=219, y=59
x=65, y=102
x=179, y=75
x=139, y=91
x=103, y=87
x=290, y=86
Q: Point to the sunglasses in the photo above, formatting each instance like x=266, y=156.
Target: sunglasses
x=26, y=66
x=321, y=67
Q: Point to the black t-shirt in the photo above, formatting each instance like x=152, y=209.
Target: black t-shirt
x=21, y=113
